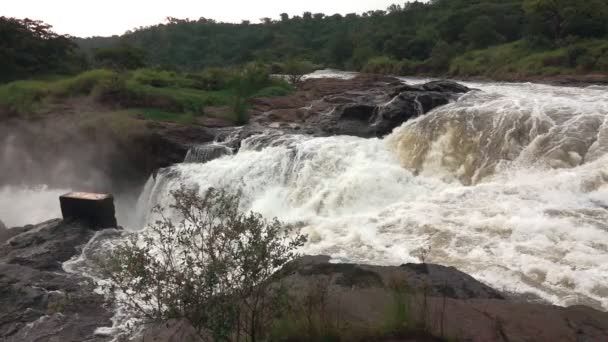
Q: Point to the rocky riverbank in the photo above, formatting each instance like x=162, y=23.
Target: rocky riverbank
x=43, y=302
x=101, y=151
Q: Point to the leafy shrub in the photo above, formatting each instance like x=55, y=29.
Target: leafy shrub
x=123, y=57
x=211, y=267
x=82, y=84
x=388, y=66
x=162, y=78
x=574, y=53
x=23, y=96
x=276, y=90
x=211, y=79
x=296, y=69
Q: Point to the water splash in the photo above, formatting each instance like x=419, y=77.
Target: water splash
x=509, y=184
x=207, y=152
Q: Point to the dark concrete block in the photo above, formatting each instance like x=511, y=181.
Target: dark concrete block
x=95, y=210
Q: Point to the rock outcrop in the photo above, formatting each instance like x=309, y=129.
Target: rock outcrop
x=366, y=106
x=447, y=302
x=39, y=301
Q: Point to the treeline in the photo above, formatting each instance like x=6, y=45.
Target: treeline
x=30, y=47
x=456, y=37
x=424, y=37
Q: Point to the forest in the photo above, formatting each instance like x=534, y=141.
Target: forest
x=493, y=38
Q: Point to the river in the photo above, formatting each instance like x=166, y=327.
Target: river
x=509, y=184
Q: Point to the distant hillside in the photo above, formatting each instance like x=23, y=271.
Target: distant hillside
x=417, y=38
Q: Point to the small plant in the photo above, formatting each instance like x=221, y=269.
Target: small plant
x=398, y=319
x=296, y=70
x=211, y=267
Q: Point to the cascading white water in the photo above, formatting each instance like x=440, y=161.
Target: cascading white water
x=205, y=153
x=509, y=184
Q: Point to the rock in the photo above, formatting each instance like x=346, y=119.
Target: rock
x=41, y=302
x=171, y=331
x=46, y=246
x=406, y=106
x=4, y=233
x=356, y=111
x=446, y=86
x=439, y=280
x=94, y=210
x=447, y=302
x=366, y=106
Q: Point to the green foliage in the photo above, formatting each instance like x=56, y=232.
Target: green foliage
x=296, y=69
x=123, y=57
x=386, y=65
x=426, y=36
x=30, y=47
x=274, y=91
x=398, y=320
x=557, y=19
x=520, y=59
x=212, y=267
x=164, y=95
x=23, y=96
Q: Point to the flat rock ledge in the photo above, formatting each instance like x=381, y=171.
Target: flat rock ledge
x=39, y=301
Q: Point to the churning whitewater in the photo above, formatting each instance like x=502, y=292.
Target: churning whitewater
x=509, y=184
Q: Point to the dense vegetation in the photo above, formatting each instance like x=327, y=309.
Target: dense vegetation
x=175, y=70
x=435, y=37
x=151, y=93
x=30, y=47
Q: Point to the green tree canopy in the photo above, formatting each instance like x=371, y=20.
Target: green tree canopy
x=30, y=47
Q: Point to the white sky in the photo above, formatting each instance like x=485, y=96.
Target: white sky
x=85, y=18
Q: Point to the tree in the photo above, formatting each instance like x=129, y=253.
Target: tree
x=284, y=17
x=557, y=19
x=297, y=69
x=211, y=267
x=121, y=57
x=30, y=47
x=480, y=33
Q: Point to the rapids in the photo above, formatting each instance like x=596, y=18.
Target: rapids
x=509, y=184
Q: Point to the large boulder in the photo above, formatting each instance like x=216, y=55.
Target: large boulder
x=441, y=300
x=406, y=106
x=39, y=300
x=365, y=106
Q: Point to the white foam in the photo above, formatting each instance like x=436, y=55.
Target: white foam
x=523, y=226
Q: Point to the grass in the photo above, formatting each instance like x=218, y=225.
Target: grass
x=521, y=59
x=155, y=94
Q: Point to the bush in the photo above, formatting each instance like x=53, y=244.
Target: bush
x=297, y=69
x=212, y=79
x=574, y=53
x=82, y=84
x=388, y=66
x=23, y=96
x=212, y=267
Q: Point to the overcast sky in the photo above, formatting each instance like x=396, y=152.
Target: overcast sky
x=85, y=18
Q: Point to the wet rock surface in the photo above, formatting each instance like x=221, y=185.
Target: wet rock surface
x=366, y=106
x=448, y=302
x=41, y=302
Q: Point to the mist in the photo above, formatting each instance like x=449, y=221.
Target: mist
x=41, y=160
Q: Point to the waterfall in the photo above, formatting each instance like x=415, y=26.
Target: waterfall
x=509, y=184
x=205, y=153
